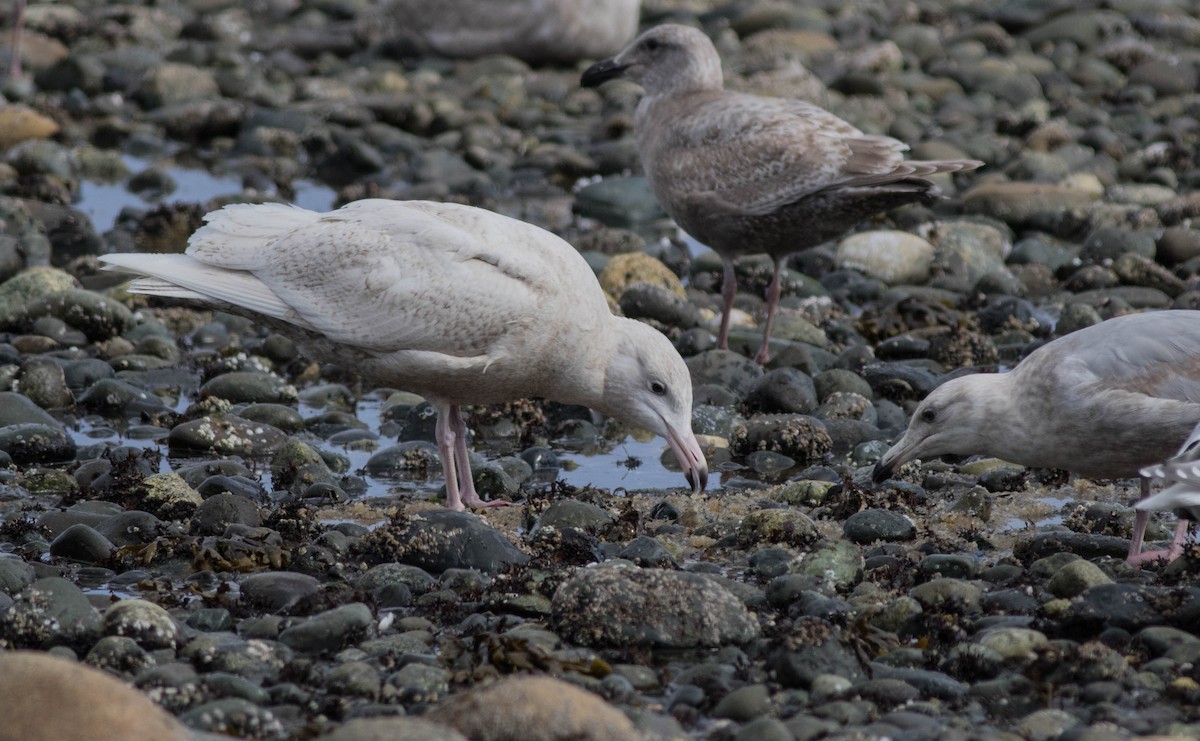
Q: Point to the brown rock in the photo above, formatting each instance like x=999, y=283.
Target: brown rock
x=534, y=709
x=393, y=729
x=19, y=123
x=47, y=698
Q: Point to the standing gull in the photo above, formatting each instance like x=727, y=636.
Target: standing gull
x=458, y=304
x=537, y=31
x=1101, y=402
x=747, y=174
x=1181, y=475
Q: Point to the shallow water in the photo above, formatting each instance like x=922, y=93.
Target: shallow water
x=102, y=202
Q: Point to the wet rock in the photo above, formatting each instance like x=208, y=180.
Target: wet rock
x=97, y=316
x=648, y=607
x=329, y=630
x=782, y=390
x=34, y=284
x=170, y=496
x=893, y=257
x=571, y=514
x=277, y=591
x=82, y=543
x=44, y=383
x=619, y=202
x=17, y=409
x=227, y=435
x=437, y=540
x=786, y=526
x=871, y=525
x=537, y=709
x=145, y=622
x=36, y=443
x=389, y=728
x=811, y=650
x=50, y=612
x=243, y=387
x=797, y=436
x=631, y=268
x=171, y=83
x=730, y=370
x=232, y=716
x=219, y=511
x=1075, y=578
x=649, y=301
x=113, y=397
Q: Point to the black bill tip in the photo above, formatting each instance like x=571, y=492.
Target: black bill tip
x=601, y=72
x=882, y=473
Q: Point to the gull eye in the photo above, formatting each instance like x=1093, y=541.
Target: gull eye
x=658, y=388
x=928, y=415
x=651, y=45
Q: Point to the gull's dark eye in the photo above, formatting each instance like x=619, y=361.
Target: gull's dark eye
x=658, y=387
x=651, y=44
x=928, y=415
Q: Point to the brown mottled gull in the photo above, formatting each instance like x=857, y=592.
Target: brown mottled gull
x=1101, y=402
x=537, y=31
x=1181, y=475
x=456, y=303
x=746, y=174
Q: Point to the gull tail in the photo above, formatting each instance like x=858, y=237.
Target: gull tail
x=185, y=278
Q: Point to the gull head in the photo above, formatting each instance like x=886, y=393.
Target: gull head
x=665, y=59
x=952, y=420
x=647, y=385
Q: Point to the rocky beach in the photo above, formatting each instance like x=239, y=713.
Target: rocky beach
x=235, y=540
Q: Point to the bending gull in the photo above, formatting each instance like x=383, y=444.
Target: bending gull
x=537, y=31
x=1101, y=402
x=1181, y=473
x=459, y=304
x=747, y=174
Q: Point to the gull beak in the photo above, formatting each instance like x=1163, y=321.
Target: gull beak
x=602, y=72
x=883, y=469
x=902, y=452
x=691, y=459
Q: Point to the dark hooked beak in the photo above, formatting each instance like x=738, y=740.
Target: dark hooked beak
x=602, y=72
x=883, y=472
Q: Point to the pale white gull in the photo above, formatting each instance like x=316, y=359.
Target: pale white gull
x=746, y=174
x=537, y=31
x=1181, y=477
x=458, y=304
x=1102, y=402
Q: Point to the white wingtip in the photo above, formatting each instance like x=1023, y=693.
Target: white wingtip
x=1179, y=496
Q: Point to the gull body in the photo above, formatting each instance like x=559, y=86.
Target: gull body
x=747, y=174
x=537, y=31
x=458, y=304
x=1102, y=402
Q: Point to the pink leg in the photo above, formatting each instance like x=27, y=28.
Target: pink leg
x=14, y=69
x=444, y=432
x=467, y=484
x=728, y=291
x=451, y=434
x=1136, y=556
x=1180, y=539
x=764, y=352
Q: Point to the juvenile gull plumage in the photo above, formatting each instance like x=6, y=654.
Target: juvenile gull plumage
x=1101, y=402
x=1181, y=476
x=537, y=31
x=456, y=303
x=747, y=174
